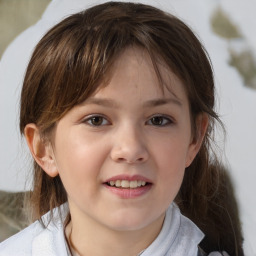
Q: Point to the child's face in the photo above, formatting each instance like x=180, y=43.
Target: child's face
x=129, y=131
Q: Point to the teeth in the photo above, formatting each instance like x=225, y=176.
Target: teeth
x=118, y=183
x=133, y=184
x=127, y=183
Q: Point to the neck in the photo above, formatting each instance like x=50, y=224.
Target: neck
x=87, y=238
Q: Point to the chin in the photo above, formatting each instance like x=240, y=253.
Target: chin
x=131, y=222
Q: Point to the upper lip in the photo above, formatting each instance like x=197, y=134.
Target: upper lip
x=129, y=178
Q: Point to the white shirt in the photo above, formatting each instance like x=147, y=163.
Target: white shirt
x=179, y=236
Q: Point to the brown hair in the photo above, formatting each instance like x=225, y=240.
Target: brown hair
x=73, y=59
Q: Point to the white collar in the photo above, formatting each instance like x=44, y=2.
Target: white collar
x=179, y=236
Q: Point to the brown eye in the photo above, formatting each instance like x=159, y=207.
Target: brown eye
x=159, y=121
x=96, y=121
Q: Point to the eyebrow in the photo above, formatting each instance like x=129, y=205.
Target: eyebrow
x=162, y=101
x=109, y=103
x=102, y=102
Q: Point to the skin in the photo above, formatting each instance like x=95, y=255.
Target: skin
x=140, y=130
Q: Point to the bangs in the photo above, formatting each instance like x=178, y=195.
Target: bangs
x=76, y=57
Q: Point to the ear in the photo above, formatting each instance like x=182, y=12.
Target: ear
x=41, y=150
x=202, y=122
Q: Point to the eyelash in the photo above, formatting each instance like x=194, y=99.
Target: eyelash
x=89, y=120
x=164, y=120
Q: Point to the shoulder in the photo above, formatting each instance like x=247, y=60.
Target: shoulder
x=37, y=240
x=218, y=254
x=203, y=253
x=187, y=228
x=20, y=244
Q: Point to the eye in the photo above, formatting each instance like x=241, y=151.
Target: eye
x=159, y=120
x=96, y=120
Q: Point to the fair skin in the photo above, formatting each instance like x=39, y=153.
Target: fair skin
x=129, y=132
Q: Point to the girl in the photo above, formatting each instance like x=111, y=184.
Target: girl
x=117, y=109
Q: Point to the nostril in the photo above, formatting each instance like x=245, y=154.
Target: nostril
x=120, y=159
x=138, y=160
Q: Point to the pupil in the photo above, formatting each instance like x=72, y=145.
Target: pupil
x=157, y=120
x=97, y=120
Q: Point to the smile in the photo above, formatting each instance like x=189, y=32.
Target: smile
x=127, y=184
x=128, y=187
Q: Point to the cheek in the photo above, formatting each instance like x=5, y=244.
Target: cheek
x=172, y=151
x=171, y=172
x=76, y=150
x=171, y=160
x=79, y=162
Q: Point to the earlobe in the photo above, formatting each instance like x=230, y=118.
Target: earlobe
x=202, y=122
x=41, y=150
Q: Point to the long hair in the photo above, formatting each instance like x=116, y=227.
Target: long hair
x=75, y=57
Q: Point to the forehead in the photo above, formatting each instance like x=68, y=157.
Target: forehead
x=144, y=76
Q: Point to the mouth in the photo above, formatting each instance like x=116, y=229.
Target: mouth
x=127, y=184
x=128, y=187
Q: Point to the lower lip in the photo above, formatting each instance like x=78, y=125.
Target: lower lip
x=127, y=193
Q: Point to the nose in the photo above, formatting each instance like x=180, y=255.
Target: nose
x=129, y=146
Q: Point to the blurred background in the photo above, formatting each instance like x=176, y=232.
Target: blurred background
x=227, y=29
x=16, y=16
